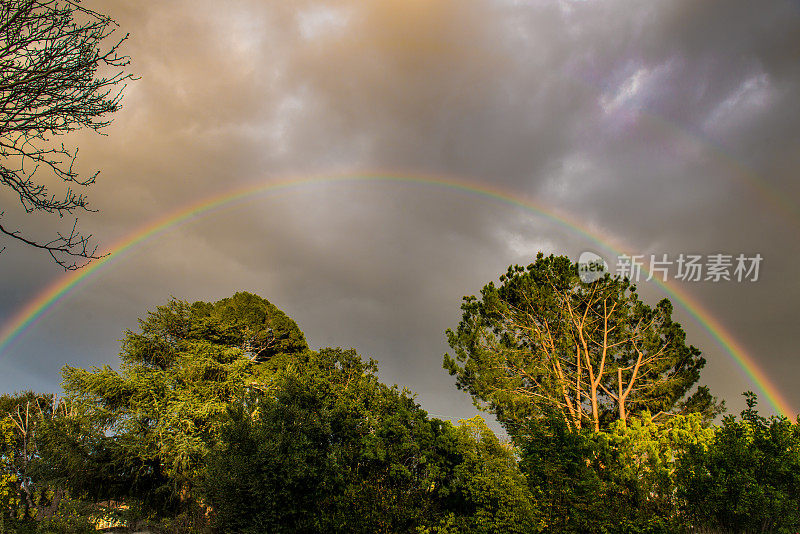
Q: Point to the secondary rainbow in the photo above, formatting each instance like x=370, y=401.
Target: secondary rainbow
x=778, y=202
x=38, y=308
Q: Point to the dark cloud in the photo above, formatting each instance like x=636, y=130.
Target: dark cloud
x=672, y=127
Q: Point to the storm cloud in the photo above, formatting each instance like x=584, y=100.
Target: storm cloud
x=672, y=127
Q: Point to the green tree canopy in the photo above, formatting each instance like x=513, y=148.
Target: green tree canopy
x=220, y=417
x=747, y=478
x=543, y=340
x=325, y=447
x=162, y=409
x=222, y=406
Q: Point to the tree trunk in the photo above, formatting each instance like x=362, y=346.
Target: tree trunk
x=621, y=399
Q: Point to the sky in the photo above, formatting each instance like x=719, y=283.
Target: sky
x=668, y=127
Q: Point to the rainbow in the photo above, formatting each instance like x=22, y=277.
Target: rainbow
x=37, y=309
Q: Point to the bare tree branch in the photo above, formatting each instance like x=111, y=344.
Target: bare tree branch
x=51, y=84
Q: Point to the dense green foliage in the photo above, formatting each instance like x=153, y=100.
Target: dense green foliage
x=163, y=409
x=328, y=448
x=616, y=481
x=32, y=491
x=221, y=419
x=747, y=479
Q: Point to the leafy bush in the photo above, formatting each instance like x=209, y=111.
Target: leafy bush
x=747, y=478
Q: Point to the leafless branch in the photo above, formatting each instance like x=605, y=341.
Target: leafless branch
x=50, y=55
